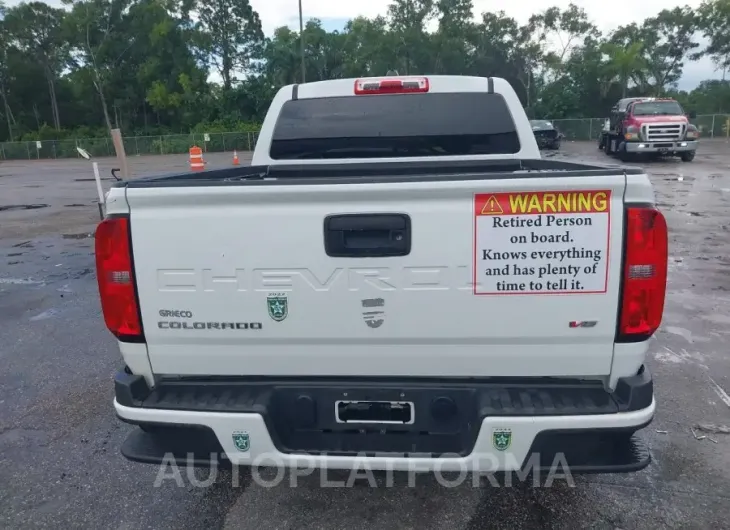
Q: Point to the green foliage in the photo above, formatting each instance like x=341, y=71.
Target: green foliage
x=188, y=67
x=229, y=35
x=713, y=19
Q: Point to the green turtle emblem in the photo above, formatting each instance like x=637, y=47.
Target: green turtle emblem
x=502, y=439
x=241, y=441
x=278, y=307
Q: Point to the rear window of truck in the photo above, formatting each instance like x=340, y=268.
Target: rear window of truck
x=394, y=125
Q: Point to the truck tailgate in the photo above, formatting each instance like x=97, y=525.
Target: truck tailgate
x=487, y=277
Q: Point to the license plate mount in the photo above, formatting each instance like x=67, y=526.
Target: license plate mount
x=382, y=412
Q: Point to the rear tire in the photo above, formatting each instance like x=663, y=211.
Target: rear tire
x=688, y=156
x=607, y=145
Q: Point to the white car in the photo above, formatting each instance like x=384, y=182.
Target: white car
x=397, y=281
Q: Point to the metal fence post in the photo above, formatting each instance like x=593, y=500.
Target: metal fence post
x=712, y=134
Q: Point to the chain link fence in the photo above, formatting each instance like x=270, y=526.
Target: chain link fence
x=710, y=126
x=713, y=125
x=580, y=128
x=133, y=145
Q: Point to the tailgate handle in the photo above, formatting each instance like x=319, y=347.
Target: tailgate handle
x=375, y=235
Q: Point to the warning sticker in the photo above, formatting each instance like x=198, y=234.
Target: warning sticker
x=541, y=242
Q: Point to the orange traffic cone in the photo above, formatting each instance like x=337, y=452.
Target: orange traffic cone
x=235, y=158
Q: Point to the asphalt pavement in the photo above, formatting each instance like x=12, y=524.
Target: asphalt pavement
x=60, y=464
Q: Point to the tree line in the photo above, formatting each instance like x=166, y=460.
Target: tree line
x=178, y=66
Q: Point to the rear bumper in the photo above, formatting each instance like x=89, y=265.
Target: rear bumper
x=291, y=424
x=659, y=147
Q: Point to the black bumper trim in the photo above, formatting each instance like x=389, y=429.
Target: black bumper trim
x=553, y=452
x=191, y=445
x=498, y=396
x=586, y=451
x=299, y=413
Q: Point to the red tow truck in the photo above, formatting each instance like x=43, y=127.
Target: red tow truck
x=652, y=126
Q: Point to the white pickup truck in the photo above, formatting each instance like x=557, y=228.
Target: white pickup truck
x=397, y=281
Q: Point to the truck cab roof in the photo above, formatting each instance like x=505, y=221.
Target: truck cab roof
x=623, y=104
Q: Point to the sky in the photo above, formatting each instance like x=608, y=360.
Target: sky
x=605, y=14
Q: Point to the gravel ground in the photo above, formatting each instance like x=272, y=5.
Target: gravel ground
x=59, y=440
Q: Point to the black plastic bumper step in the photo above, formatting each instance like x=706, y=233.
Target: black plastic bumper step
x=590, y=451
x=185, y=446
x=490, y=397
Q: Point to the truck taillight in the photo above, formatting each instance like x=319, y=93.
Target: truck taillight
x=401, y=85
x=116, y=279
x=645, y=273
